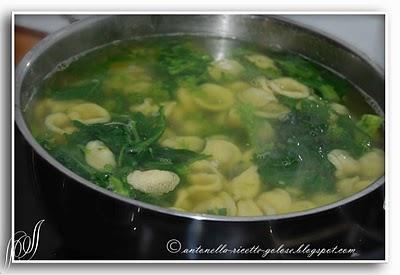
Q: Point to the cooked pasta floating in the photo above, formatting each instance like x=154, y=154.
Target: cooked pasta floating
x=244, y=133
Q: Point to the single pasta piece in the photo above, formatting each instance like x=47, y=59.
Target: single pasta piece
x=224, y=152
x=205, y=182
x=261, y=61
x=340, y=109
x=188, y=198
x=263, y=83
x=301, y=205
x=229, y=203
x=89, y=113
x=127, y=78
x=204, y=176
x=225, y=68
x=169, y=107
x=277, y=198
x=148, y=108
x=220, y=201
x=59, y=123
x=345, y=187
x=155, y=182
x=182, y=201
x=345, y=165
x=246, y=185
x=289, y=87
x=360, y=185
x=248, y=208
x=273, y=110
x=247, y=156
x=192, y=143
x=325, y=198
x=372, y=164
x=49, y=106
x=98, y=155
x=232, y=118
x=265, y=133
x=186, y=100
x=213, y=98
x=238, y=86
x=190, y=127
x=256, y=97
x=177, y=116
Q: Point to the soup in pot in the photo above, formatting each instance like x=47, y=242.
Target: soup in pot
x=210, y=126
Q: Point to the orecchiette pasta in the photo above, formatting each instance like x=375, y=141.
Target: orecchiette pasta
x=345, y=165
x=225, y=68
x=360, y=185
x=261, y=61
x=262, y=83
x=340, y=109
x=192, y=143
x=324, y=198
x=246, y=185
x=88, y=113
x=204, y=177
x=265, y=133
x=289, y=87
x=182, y=201
x=372, y=164
x=190, y=127
x=256, y=97
x=301, y=205
x=345, y=186
x=169, y=107
x=221, y=201
x=248, y=156
x=237, y=86
x=233, y=118
x=59, y=123
x=204, y=181
x=148, y=108
x=186, y=100
x=212, y=97
x=156, y=182
x=127, y=78
x=277, y=198
x=273, y=110
x=248, y=208
x=47, y=106
x=98, y=155
x=229, y=203
x=224, y=152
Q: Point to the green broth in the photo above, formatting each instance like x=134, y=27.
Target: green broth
x=209, y=125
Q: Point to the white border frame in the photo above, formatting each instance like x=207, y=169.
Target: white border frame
x=387, y=124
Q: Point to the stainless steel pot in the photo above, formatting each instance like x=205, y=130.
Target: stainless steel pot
x=265, y=31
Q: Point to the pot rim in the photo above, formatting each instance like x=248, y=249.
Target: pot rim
x=41, y=47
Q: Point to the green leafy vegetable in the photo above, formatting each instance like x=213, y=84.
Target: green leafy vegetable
x=89, y=90
x=370, y=124
x=181, y=65
x=299, y=155
x=133, y=140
